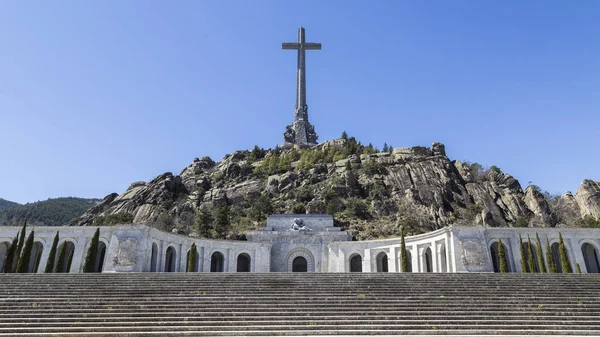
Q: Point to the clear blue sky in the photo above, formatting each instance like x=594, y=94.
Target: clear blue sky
x=97, y=94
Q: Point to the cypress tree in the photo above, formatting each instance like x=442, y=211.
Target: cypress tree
x=502, y=257
x=21, y=239
x=564, y=256
x=59, y=268
x=10, y=256
x=540, y=254
x=91, y=259
x=404, y=256
x=23, y=264
x=52, y=255
x=578, y=268
x=530, y=256
x=524, y=268
x=192, y=257
x=550, y=258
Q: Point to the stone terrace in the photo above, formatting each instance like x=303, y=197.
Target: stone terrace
x=285, y=304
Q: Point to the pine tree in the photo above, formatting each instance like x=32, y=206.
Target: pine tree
x=385, y=148
x=390, y=148
x=222, y=222
x=404, y=256
x=530, y=256
x=344, y=135
x=502, y=257
x=540, y=254
x=192, y=257
x=564, y=256
x=524, y=268
x=91, y=259
x=21, y=239
x=348, y=165
x=23, y=264
x=10, y=256
x=204, y=223
x=550, y=258
x=60, y=262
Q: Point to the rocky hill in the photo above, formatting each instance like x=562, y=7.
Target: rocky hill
x=51, y=212
x=370, y=192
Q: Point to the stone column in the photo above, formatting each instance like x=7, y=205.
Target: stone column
x=393, y=261
x=367, y=268
x=200, y=259
x=434, y=257
x=414, y=254
x=576, y=255
x=232, y=264
x=206, y=260
x=516, y=252
x=447, y=252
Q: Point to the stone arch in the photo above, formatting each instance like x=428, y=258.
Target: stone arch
x=170, y=260
x=36, y=256
x=355, y=263
x=428, y=260
x=382, y=261
x=590, y=257
x=3, y=249
x=556, y=256
x=442, y=260
x=244, y=263
x=154, y=258
x=64, y=264
x=300, y=252
x=217, y=262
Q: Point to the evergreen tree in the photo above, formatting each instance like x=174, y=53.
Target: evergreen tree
x=222, y=222
x=348, y=165
x=192, y=257
x=404, y=256
x=390, y=149
x=385, y=148
x=530, y=257
x=550, y=258
x=59, y=267
x=21, y=239
x=344, y=135
x=524, y=268
x=9, y=261
x=23, y=264
x=540, y=254
x=91, y=258
x=204, y=223
x=578, y=268
x=502, y=257
x=564, y=256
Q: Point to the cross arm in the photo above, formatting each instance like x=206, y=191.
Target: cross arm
x=290, y=45
x=312, y=46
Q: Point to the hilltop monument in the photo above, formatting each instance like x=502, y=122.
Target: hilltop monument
x=301, y=132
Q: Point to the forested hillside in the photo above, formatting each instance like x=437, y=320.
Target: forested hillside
x=51, y=212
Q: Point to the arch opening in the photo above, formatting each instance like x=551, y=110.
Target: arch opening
x=590, y=256
x=243, y=263
x=36, y=256
x=64, y=265
x=495, y=257
x=428, y=261
x=154, y=258
x=356, y=264
x=556, y=257
x=382, y=262
x=299, y=265
x=170, y=259
x=101, y=255
x=409, y=268
x=216, y=262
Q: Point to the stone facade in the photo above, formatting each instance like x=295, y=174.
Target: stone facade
x=305, y=242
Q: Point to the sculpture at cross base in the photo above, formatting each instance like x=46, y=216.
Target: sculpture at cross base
x=301, y=132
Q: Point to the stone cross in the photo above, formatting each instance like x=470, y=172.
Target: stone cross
x=301, y=132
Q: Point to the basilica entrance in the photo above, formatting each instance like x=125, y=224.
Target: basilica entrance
x=299, y=265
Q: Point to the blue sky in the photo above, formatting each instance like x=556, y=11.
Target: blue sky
x=96, y=95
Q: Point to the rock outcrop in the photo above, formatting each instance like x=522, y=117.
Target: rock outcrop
x=365, y=189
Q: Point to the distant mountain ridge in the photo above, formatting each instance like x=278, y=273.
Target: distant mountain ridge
x=51, y=212
x=5, y=204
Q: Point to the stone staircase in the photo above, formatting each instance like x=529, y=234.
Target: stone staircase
x=300, y=304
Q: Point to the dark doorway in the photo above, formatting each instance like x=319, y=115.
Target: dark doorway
x=153, y=259
x=356, y=264
x=382, y=262
x=428, y=261
x=590, y=256
x=216, y=262
x=299, y=265
x=101, y=255
x=170, y=260
x=243, y=263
